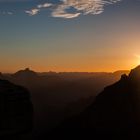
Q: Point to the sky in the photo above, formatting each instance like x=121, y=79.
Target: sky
x=69, y=35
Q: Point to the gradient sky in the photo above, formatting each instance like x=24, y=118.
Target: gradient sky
x=69, y=35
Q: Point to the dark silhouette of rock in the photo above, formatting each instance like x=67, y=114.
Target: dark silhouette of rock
x=115, y=114
x=25, y=73
x=58, y=96
x=1, y=76
x=16, y=110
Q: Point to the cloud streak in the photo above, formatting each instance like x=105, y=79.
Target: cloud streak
x=45, y=5
x=32, y=12
x=73, y=8
x=36, y=10
x=6, y=13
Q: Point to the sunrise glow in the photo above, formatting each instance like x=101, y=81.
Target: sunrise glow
x=101, y=36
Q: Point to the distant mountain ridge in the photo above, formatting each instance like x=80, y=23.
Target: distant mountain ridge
x=25, y=73
x=29, y=71
x=58, y=96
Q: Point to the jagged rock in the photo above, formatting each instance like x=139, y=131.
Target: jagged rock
x=16, y=109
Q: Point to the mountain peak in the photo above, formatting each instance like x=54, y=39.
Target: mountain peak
x=27, y=69
x=135, y=73
x=25, y=73
x=136, y=69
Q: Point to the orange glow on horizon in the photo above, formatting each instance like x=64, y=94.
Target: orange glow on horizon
x=59, y=69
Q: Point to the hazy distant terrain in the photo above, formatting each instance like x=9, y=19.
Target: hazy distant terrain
x=114, y=115
x=56, y=96
x=99, y=105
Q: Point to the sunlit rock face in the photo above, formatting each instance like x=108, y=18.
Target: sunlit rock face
x=16, y=109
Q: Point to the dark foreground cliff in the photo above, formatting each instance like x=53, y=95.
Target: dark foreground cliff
x=16, y=111
x=114, y=115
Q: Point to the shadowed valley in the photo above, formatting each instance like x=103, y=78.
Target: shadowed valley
x=59, y=96
x=115, y=114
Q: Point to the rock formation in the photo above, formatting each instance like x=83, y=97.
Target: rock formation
x=16, y=109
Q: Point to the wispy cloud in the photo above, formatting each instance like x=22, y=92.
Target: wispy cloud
x=10, y=13
x=6, y=13
x=60, y=11
x=36, y=10
x=32, y=12
x=45, y=5
x=81, y=7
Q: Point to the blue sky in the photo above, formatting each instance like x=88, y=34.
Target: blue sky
x=69, y=36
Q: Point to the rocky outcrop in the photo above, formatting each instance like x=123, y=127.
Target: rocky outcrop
x=16, y=109
x=25, y=73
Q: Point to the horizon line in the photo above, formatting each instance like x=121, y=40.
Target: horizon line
x=64, y=71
